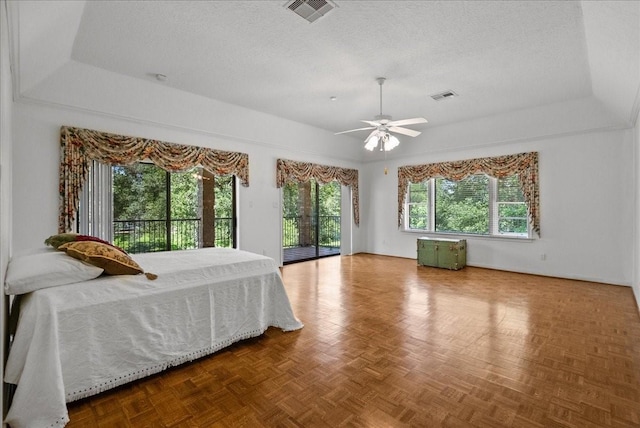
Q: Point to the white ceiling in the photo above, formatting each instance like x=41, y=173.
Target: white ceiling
x=499, y=56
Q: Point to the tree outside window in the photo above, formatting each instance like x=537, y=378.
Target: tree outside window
x=155, y=210
x=477, y=205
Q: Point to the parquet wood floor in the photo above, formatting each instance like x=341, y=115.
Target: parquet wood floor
x=389, y=344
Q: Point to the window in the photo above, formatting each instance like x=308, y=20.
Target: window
x=418, y=206
x=511, y=208
x=477, y=205
x=462, y=206
x=146, y=208
x=83, y=147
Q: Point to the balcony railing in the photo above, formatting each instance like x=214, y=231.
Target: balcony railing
x=144, y=236
x=328, y=231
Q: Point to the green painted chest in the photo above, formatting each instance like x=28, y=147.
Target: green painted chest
x=443, y=253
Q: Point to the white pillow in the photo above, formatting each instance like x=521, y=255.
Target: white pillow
x=32, y=272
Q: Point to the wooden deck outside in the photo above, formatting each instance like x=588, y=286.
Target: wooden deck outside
x=295, y=254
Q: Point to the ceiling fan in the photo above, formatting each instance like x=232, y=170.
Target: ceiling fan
x=383, y=126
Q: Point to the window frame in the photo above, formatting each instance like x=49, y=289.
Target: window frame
x=493, y=214
x=430, y=218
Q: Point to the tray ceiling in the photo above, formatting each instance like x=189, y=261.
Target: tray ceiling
x=496, y=56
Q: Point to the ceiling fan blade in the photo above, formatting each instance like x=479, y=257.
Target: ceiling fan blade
x=372, y=122
x=404, y=122
x=404, y=131
x=353, y=130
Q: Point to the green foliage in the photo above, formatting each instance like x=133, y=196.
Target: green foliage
x=290, y=232
x=134, y=241
x=418, y=205
x=329, y=200
x=139, y=192
x=328, y=211
x=418, y=192
x=290, y=200
x=224, y=196
x=509, y=189
x=418, y=216
x=463, y=206
x=140, y=196
x=512, y=211
x=513, y=225
x=185, y=191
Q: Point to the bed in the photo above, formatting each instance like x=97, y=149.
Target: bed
x=76, y=340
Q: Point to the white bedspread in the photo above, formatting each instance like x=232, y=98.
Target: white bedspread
x=77, y=340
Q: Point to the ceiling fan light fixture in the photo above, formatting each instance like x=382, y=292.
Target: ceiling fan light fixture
x=391, y=142
x=384, y=139
x=372, y=143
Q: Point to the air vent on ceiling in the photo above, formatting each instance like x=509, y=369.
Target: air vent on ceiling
x=310, y=10
x=444, y=95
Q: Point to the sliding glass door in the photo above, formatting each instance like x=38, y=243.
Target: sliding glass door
x=155, y=210
x=310, y=221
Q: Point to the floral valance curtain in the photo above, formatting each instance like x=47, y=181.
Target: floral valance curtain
x=82, y=146
x=523, y=164
x=289, y=171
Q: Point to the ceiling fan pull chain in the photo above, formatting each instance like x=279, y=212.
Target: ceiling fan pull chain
x=386, y=171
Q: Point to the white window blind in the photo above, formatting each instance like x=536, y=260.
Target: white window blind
x=95, y=214
x=462, y=206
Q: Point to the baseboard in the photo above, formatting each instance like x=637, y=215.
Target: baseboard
x=571, y=277
x=525, y=272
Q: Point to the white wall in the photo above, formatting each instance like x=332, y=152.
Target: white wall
x=6, y=104
x=587, y=208
x=125, y=106
x=587, y=205
x=583, y=174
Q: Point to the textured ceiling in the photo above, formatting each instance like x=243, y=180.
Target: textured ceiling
x=498, y=56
